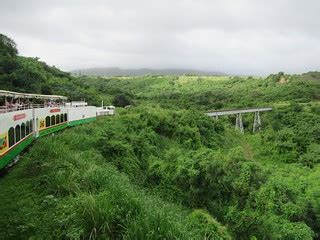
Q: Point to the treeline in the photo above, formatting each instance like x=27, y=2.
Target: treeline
x=26, y=74
x=211, y=92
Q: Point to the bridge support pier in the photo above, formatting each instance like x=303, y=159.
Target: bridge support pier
x=239, y=123
x=257, y=122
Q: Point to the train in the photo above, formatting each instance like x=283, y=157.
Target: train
x=25, y=117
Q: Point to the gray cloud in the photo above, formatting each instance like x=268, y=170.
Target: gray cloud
x=237, y=37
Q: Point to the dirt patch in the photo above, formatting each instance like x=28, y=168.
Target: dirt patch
x=283, y=80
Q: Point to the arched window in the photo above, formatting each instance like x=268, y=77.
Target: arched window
x=31, y=125
x=57, y=119
x=65, y=117
x=18, y=133
x=27, y=128
x=53, y=120
x=11, y=137
x=48, y=121
x=61, y=118
x=23, y=130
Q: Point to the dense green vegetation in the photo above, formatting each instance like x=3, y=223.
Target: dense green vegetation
x=76, y=193
x=162, y=169
x=27, y=74
x=205, y=92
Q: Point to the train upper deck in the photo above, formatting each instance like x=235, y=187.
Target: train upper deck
x=14, y=101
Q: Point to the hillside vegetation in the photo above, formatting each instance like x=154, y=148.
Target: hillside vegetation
x=162, y=169
x=27, y=74
x=113, y=71
x=211, y=92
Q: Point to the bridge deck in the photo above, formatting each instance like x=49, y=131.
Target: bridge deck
x=237, y=111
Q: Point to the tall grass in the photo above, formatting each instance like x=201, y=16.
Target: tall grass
x=77, y=194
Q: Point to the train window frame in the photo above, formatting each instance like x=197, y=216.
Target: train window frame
x=48, y=121
x=53, y=120
x=31, y=126
x=57, y=119
x=27, y=128
x=17, y=131
x=61, y=118
x=23, y=130
x=12, y=137
x=65, y=117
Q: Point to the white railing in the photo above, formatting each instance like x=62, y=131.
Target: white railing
x=237, y=111
x=5, y=109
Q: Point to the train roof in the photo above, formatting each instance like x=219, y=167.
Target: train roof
x=4, y=93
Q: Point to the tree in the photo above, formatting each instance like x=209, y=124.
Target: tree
x=312, y=157
x=8, y=61
x=7, y=46
x=121, y=100
x=296, y=107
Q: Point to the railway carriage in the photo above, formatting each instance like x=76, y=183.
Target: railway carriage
x=80, y=113
x=26, y=119
x=16, y=132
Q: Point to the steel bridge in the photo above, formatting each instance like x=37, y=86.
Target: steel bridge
x=238, y=112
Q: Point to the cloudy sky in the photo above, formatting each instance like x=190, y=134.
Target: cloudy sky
x=234, y=36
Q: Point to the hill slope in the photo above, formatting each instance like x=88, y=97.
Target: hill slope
x=113, y=71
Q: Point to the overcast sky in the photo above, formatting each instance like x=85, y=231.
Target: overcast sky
x=254, y=37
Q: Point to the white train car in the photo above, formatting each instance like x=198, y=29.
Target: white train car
x=16, y=132
x=50, y=119
x=105, y=110
x=21, y=120
x=80, y=113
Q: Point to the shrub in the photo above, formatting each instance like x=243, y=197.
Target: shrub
x=121, y=100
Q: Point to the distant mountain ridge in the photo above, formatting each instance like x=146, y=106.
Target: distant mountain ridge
x=115, y=71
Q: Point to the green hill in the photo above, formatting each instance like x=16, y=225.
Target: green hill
x=114, y=71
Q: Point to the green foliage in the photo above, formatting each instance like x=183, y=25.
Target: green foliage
x=211, y=92
x=82, y=173
x=312, y=156
x=206, y=226
x=162, y=169
x=77, y=193
x=83, y=193
x=8, y=60
x=7, y=46
x=121, y=100
x=25, y=74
